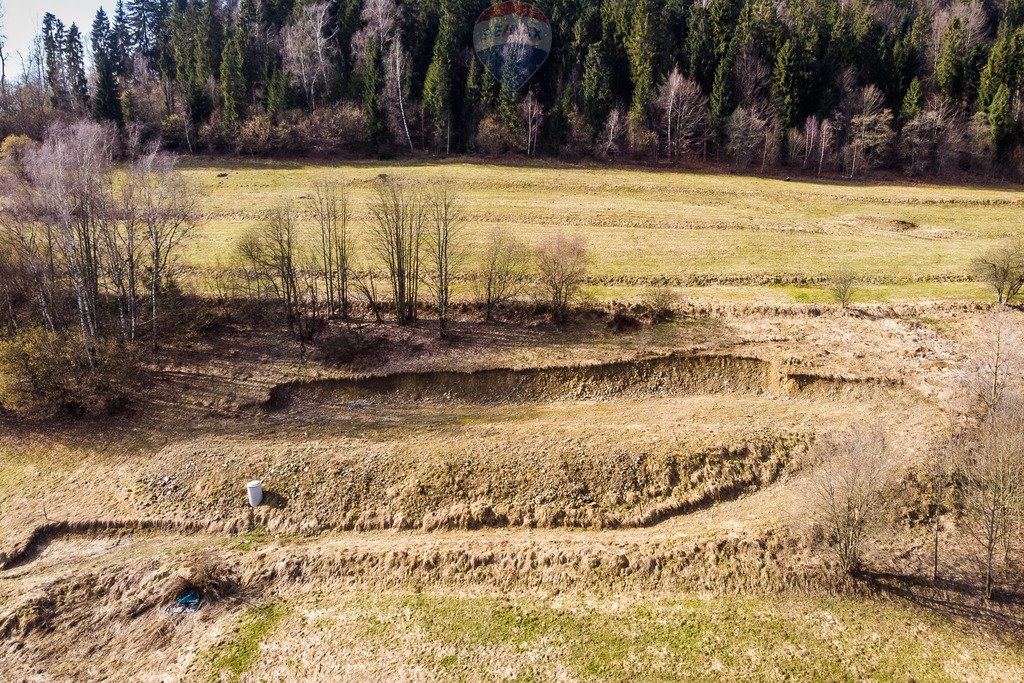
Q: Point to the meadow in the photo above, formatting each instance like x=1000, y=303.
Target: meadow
x=710, y=235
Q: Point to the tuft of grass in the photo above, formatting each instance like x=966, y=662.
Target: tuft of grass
x=237, y=657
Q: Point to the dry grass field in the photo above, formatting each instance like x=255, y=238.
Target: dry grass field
x=526, y=502
x=908, y=241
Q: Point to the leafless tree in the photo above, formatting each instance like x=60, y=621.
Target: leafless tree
x=843, y=285
x=380, y=24
x=826, y=138
x=168, y=208
x=745, y=132
x=396, y=236
x=330, y=208
x=503, y=270
x=533, y=115
x=270, y=251
x=610, y=141
x=3, y=55
x=123, y=240
x=871, y=134
x=847, y=490
x=989, y=454
x=685, y=114
x=444, y=248
x=562, y=261
x=71, y=172
x=991, y=483
x=307, y=49
x=1002, y=268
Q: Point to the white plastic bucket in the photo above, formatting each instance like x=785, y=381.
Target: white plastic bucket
x=255, y=489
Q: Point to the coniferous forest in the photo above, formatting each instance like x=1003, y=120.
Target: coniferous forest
x=928, y=87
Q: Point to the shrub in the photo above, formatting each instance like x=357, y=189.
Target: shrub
x=490, y=138
x=255, y=135
x=12, y=151
x=48, y=372
x=331, y=129
x=660, y=303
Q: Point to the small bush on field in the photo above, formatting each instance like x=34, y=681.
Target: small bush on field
x=660, y=303
x=490, y=138
x=44, y=372
x=205, y=575
x=255, y=136
x=843, y=286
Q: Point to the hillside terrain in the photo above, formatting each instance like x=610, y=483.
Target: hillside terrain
x=622, y=497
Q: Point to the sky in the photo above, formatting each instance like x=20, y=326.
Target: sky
x=23, y=20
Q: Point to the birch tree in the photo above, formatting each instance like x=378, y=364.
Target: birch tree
x=396, y=232
x=443, y=246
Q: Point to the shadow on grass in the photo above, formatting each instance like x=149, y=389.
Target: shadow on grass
x=952, y=598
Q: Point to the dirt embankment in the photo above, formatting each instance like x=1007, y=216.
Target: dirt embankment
x=668, y=375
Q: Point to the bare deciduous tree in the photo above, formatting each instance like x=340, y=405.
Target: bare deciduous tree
x=502, y=272
x=871, y=131
x=609, y=143
x=396, y=236
x=1003, y=269
x=842, y=284
x=989, y=452
x=685, y=112
x=330, y=208
x=991, y=484
x=847, y=490
x=168, y=208
x=745, y=131
x=270, y=251
x=308, y=50
x=562, y=261
x=533, y=115
x=71, y=173
x=443, y=246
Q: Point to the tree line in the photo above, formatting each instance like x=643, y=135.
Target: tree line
x=817, y=85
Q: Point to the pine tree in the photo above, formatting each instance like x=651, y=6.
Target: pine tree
x=785, y=89
x=911, y=102
x=106, y=103
x=949, y=70
x=373, y=83
x=437, y=86
x=277, y=95
x=75, y=61
x=232, y=82
x=54, y=47
x=121, y=42
x=721, y=103
x=639, y=45
x=1000, y=121
x=597, y=91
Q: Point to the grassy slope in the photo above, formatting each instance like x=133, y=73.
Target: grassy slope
x=472, y=637
x=646, y=224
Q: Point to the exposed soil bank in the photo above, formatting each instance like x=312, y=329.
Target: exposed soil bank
x=671, y=374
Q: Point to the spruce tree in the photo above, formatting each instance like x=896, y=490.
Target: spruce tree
x=785, y=89
x=106, y=103
x=911, y=102
x=597, y=91
x=121, y=41
x=639, y=45
x=376, y=125
x=949, y=71
x=232, y=82
x=75, y=61
x=1000, y=121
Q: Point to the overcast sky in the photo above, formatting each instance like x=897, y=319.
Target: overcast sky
x=23, y=19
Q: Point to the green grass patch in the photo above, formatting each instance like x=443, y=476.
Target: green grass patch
x=238, y=656
x=656, y=225
x=718, y=639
